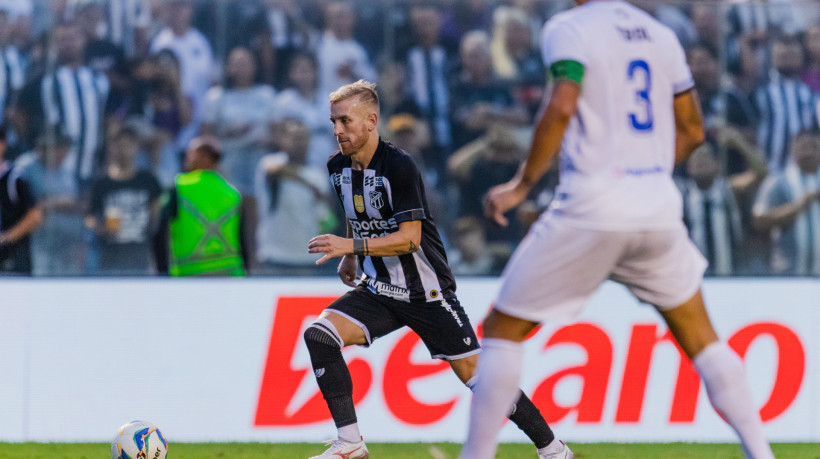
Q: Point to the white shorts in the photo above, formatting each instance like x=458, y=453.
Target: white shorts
x=557, y=267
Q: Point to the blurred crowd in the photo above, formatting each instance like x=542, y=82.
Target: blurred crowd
x=100, y=99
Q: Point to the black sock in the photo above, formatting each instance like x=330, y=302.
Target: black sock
x=527, y=417
x=332, y=375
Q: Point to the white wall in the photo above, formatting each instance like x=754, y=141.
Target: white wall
x=78, y=358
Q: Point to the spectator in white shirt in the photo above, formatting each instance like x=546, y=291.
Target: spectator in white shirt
x=240, y=114
x=302, y=100
x=342, y=60
x=195, y=56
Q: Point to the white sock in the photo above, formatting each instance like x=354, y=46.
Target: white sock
x=350, y=433
x=499, y=371
x=727, y=387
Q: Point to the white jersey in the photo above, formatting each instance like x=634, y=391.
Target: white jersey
x=618, y=151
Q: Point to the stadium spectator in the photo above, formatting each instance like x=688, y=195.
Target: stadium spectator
x=463, y=16
x=196, y=63
x=478, y=99
x=471, y=254
x=69, y=99
x=811, y=45
x=101, y=54
x=12, y=78
x=787, y=208
x=59, y=246
x=428, y=67
x=159, y=99
x=293, y=204
x=124, y=210
x=19, y=217
x=303, y=100
x=671, y=16
x=127, y=23
x=722, y=102
x=710, y=205
x=274, y=30
x=786, y=105
x=341, y=58
x=240, y=114
x=706, y=19
x=201, y=232
x=515, y=60
x=479, y=166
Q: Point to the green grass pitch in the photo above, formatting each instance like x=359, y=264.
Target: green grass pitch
x=406, y=451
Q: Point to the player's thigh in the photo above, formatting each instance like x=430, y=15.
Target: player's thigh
x=555, y=270
x=662, y=268
x=443, y=326
x=364, y=315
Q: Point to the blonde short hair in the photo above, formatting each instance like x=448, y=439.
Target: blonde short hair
x=364, y=90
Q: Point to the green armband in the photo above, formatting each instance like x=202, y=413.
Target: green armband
x=567, y=70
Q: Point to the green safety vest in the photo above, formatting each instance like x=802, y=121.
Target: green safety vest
x=205, y=232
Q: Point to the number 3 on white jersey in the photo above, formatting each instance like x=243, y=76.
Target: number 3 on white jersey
x=640, y=76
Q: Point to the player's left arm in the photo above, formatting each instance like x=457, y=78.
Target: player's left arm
x=546, y=143
x=404, y=241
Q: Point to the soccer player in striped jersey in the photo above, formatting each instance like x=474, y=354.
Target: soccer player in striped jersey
x=406, y=280
x=622, y=111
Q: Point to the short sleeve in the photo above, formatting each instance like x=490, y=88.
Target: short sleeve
x=26, y=198
x=772, y=194
x=210, y=109
x=561, y=41
x=682, y=80
x=406, y=188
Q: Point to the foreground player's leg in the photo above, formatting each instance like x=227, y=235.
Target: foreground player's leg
x=499, y=372
x=722, y=372
x=325, y=347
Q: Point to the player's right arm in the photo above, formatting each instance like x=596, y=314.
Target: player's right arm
x=689, y=133
x=546, y=143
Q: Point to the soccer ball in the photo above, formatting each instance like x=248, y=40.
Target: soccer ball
x=139, y=440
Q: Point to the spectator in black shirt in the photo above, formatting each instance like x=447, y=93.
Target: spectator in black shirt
x=19, y=217
x=124, y=207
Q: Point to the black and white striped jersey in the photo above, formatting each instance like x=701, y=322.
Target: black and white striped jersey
x=73, y=102
x=376, y=200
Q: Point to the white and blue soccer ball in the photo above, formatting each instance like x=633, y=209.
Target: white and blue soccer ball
x=139, y=440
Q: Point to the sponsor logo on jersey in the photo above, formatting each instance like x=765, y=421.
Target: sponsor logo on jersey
x=319, y=372
x=467, y=340
x=374, y=181
x=375, y=227
x=358, y=203
x=383, y=288
x=376, y=200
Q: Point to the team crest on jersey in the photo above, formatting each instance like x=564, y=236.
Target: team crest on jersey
x=376, y=200
x=358, y=203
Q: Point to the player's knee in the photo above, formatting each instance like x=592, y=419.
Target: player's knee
x=321, y=333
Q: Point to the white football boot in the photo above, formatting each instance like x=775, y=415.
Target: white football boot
x=555, y=450
x=340, y=449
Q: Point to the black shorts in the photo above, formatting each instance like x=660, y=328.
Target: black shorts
x=442, y=325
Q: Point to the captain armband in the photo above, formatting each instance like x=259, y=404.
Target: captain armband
x=567, y=70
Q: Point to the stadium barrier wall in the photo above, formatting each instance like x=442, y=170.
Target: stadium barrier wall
x=222, y=360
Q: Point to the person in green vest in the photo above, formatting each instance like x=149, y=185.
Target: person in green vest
x=201, y=228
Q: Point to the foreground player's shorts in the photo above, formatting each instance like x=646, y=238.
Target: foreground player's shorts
x=557, y=267
x=442, y=325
